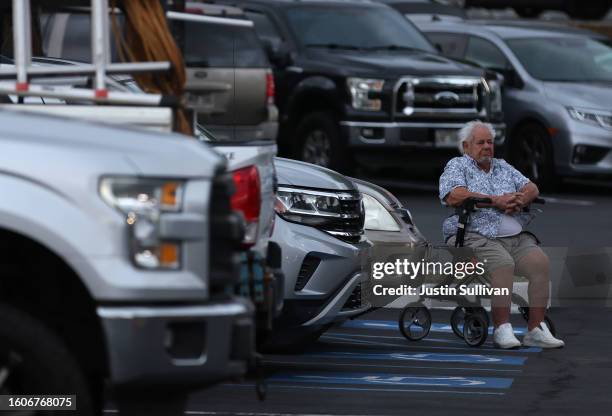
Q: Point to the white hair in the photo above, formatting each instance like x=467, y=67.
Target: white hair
x=466, y=131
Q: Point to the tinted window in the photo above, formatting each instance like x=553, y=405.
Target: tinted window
x=564, y=59
x=452, y=44
x=222, y=46
x=485, y=53
x=354, y=27
x=77, y=43
x=266, y=29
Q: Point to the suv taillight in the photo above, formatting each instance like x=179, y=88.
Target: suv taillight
x=270, y=87
x=247, y=199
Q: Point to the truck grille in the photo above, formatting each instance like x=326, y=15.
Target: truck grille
x=226, y=233
x=442, y=97
x=349, y=228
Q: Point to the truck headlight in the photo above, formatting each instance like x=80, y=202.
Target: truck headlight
x=338, y=213
x=495, y=96
x=595, y=117
x=377, y=218
x=143, y=201
x=361, y=90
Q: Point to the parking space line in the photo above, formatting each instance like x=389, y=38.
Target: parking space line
x=397, y=380
x=424, y=367
x=426, y=356
x=393, y=325
x=386, y=390
x=461, y=344
x=352, y=341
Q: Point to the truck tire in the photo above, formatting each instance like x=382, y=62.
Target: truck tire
x=319, y=142
x=35, y=361
x=531, y=153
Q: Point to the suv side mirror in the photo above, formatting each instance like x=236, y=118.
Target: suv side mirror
x=278, y=55
x=511, y=78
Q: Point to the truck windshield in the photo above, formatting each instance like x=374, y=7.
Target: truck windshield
x=564, y=59
x=375, y=28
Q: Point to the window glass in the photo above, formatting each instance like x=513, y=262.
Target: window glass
x=266, y=29
x=485, y=54
x=452, y=44
x=222, y=46
x=564, y=59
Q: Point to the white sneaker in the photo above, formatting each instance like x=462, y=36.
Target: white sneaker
x=540, y=336
x=503, y=337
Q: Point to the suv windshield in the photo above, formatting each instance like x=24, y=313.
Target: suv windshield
x=355, y=28
x=564, y=59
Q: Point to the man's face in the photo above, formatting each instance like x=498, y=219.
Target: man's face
x=480, y=146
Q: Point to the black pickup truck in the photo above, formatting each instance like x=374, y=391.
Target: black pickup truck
x=357, y=82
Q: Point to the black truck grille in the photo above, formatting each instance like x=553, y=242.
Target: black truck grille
x=226, y=234
x=440, y=95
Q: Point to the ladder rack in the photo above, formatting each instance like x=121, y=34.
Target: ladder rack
x=99, y=68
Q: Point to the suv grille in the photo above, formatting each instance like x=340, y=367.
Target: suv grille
x=349, y=228
x=440, y=96
x=226, y=232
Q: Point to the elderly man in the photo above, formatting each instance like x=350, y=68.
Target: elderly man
x=496, y=231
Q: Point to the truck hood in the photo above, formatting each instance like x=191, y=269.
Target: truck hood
x=98, y=147
x=391, y=63
x=302, y=174
x=595, y=95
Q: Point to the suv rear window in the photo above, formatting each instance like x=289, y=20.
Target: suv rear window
x=219, y=46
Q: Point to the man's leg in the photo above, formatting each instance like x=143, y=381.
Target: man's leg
x=535, y=266
x=502, y=277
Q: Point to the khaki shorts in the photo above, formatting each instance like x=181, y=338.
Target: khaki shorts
x=499, y=252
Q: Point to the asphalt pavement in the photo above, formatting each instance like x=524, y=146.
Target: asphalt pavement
x=366, y=367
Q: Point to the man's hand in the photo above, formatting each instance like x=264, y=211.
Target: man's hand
x=509, y=203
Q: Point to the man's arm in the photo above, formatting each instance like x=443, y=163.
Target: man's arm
x=506, y=202
x=528, y=193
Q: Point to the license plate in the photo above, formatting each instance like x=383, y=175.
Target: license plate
x=446, y=138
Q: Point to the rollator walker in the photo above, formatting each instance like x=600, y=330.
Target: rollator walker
x=470, y=322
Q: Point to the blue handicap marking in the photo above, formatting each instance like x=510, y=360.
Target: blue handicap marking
x=399, y=380
x=430, y=356
x=368, y=324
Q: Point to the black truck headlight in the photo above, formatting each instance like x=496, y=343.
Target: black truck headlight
x=362, y=89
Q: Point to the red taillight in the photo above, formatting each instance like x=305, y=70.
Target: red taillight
x=270, y=87
x=247, y=199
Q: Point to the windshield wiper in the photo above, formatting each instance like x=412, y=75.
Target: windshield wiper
x=333, y=46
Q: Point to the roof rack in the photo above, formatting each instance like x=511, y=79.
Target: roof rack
x=100, y=67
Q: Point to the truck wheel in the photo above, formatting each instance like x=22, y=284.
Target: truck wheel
x=33, y=360
x=319, y=142
x=531, y=153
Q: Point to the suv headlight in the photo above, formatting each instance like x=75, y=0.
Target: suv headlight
x=495, y=96
x=360, y=89
x=377, y=217
x=143, y=201
x=338, y=213
x=590, y=116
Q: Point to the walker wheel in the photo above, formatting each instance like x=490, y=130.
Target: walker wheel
x=415, y=322
x=475, y=330
x=458, y=316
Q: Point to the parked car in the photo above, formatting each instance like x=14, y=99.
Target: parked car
x=380, y=95
x=557, y=95
x=229, y=78
x=427, y=10
x=592, y=9
x=319, y=226
x=118, y=250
